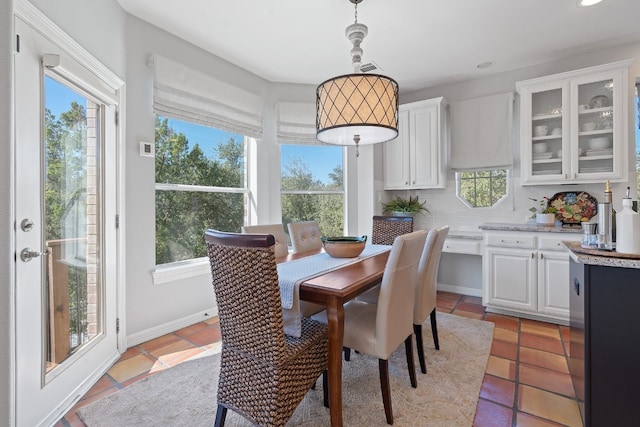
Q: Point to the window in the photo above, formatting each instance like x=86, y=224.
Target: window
x=201, y=183
x=312, y=186
x=482, y=189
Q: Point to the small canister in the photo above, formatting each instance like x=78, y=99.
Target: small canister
x=589, y=236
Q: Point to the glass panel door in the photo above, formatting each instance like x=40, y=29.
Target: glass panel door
x=547, y=132
x=595, y=127
x=72, y=220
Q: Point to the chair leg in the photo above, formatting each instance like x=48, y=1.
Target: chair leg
x=383, y=367
x=417, y=330
x=434, y=329
x=408, y=346
x=347, y=353
x=325, y=388
x=221, y=416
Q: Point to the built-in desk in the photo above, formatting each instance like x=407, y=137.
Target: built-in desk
x=460, y=269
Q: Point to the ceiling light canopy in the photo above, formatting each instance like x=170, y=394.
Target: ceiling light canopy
x=355, y=109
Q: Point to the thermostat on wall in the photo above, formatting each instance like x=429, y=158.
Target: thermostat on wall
x=147, y=149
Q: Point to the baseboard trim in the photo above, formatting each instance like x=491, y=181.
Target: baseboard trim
x=463, y=290
x=525, y=315
x=160, y=330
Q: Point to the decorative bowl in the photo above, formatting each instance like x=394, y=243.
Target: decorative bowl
x=344, y=246
x=599, y=101
x=540, y=147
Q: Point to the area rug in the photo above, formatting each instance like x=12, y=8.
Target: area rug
x=446, y=396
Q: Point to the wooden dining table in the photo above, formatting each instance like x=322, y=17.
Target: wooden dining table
x=333, y=289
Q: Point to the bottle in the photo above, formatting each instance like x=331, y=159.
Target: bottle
x=605, y=221
x=628, y=224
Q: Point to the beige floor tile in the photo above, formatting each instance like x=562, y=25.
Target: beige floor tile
x=549, y=406
x=131, y=367
x=500, y=367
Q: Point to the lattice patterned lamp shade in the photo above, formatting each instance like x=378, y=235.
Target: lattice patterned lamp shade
x=357, y=109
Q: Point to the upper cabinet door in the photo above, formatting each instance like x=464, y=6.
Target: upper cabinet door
x=573, y=126
x=415, y=160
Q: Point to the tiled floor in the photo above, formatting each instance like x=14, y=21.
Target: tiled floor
x=526, y=383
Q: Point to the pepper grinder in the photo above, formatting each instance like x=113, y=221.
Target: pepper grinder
x=605, y=221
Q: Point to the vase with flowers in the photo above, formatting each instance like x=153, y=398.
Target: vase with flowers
x=545, y=214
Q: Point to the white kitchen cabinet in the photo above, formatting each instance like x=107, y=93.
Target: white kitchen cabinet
x=416, y=158
x=527, y=274
x=573, y=126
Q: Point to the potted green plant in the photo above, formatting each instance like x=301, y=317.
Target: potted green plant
x=404, y=207
x=544, y=213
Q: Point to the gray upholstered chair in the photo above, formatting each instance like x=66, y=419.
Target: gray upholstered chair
x=379, y=329
x=387, y=228
x=305, y=236
x=426, y=289
x=282, y=248
x=264, y=374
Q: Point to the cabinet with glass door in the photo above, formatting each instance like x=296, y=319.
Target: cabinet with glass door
x=573, y=126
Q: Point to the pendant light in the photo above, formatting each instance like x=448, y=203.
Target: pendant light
x=358, y=108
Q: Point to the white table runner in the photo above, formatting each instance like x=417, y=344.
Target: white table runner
x=292, y=273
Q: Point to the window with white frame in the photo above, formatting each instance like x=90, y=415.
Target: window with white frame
x=482, y=189
x=201, y=182
x=203, y=126
x=312, y=186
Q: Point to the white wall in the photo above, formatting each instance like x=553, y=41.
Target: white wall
x=6, y=212
x=443, y=204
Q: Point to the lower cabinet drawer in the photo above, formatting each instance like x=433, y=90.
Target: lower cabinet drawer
x=524, y=241
x=553, y=243
x=462, y=246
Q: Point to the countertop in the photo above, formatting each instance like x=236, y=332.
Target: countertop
x=529, y=226
x=601, y=257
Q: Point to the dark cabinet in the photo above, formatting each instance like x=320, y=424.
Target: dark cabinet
x=605, y=353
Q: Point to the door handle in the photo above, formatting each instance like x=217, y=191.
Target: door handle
x=27, y=254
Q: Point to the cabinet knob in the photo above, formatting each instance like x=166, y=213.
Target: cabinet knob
x=541, y=256
x=533, y=255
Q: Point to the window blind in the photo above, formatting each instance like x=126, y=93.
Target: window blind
x=481, y=133
x=190, y=95
x=297, y=123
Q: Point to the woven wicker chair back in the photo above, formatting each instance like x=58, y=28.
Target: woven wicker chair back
x=245, y=280
x=387, y=228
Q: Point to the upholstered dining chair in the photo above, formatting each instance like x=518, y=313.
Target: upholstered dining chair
x=282, y=248
x=379, y=329
x=387, y=228
x=264, y=374
x=426, y=289
x=305, y=236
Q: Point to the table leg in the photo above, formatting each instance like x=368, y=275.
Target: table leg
x=335, y=323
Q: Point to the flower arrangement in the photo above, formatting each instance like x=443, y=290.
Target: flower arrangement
x=410, y=206
x=542, y=206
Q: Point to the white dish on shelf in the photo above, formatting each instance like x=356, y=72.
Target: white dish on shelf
x=600, y=143
x=554, y=171
x=540, y=147
x=547, y=155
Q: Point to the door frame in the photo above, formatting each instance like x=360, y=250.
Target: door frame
x=43, y=25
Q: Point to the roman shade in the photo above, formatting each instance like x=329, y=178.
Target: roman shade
x=481, y=133
x=190, y=95
x=296, y=123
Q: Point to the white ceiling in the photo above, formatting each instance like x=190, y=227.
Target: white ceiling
x=419, y=43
